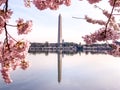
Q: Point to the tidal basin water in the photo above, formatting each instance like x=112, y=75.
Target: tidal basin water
x=76, y=72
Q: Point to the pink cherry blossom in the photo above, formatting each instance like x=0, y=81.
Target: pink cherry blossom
x=24, y=64
x=6, y=75
x=27, y=3
x=24, y=27
x=40, y=4
x=93, y=1
x=117, y=3
x=116, y=50
x=67, y=2
x=90, y=20
x=2, y=23
x=52, y=4
x=8, y=14
x=21, y=46
x=2, y=2
x=4, y=16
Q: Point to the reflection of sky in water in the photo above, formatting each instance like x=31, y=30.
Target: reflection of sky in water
x=85, y=72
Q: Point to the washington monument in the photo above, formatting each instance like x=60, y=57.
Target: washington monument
x=59, y=30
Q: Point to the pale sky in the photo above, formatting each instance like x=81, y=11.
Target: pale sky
x=45, y=23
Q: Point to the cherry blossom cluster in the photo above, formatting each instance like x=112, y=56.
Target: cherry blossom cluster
x=93, y=1
x=13, y=57
x=90, y=20
x=4, y=16
x=2, y=1
x=12, y=52
x=52, y=4
x=117, y=3
x=24, y=27
x=101, y=35
x=116, y=50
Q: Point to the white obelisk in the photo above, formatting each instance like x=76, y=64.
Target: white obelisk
x=59, y=30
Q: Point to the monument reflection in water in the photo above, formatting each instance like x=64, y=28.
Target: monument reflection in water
x=59, y=66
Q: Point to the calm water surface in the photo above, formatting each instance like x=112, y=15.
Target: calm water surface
x=58, y=72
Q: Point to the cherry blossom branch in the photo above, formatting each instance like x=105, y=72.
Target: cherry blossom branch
x=110, y=16
x=90, y=20
x=11, y=37
x=11, y=25
x=115, y=14
x=78, y=18
x=98, y=7
x=6, y=39
x=6, y=5
x=6, y=34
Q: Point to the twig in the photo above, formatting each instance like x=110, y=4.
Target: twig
x=78, y=18
x=115, y=14
x=11, y=25
x=11, y=37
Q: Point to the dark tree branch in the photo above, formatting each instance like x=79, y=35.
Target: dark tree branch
x=106, y=26
x=5, y=26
